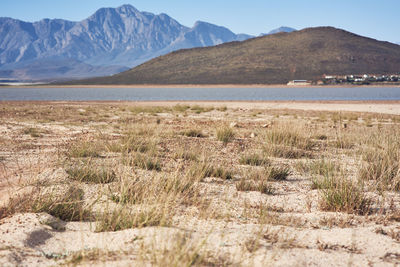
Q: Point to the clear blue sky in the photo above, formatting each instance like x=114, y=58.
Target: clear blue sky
x=378, y=19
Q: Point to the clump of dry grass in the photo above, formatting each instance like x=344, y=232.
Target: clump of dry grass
x=135, y=142
x=261, y=186
x=287, y=152
x=322, y=167
x=289, y=136
x=142, y=161
x=33, y=132
x=88, y=173
x=222, y=172
x=125, y=218
x=193, y=133
x=382, y=164
x=199, y=109
x=85, y=149
x=186, y=154
x=340, y=195
x=254, y=159
x=225, y=134
x=66, y=205
x=277, y=173
x=259, y=180
x=149, y=109
x=181, y=251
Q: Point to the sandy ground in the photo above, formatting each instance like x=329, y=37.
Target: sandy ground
x=297, y=231
x=384, y=107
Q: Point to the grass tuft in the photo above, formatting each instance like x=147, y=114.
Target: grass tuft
x=254, y=160
x=67, y=205
x=340, y=195
x=143, y=161
x=193, y=133
x=125, y=218
x=91, y=174
x=225, y=134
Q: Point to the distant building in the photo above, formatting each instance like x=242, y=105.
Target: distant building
x=299, y=82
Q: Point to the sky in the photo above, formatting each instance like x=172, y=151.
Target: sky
x=379, y=19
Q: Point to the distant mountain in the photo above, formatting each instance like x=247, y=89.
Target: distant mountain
x=56, y=69
x=115, y=37
x=278, y=30
x=272, y=59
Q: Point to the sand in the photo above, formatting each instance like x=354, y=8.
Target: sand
x=298, y=232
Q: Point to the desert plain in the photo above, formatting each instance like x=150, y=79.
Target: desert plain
x=200, y=183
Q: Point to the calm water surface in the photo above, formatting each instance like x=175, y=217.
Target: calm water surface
x=243, y=94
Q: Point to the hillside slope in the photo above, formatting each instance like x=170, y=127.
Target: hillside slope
x=272, y=59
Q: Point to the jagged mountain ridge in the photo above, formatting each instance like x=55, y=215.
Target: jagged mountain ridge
x=120, y=36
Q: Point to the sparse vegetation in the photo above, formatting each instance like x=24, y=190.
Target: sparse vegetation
x=143, y=161
x=225, y=134
x=87, y=173
x=85, y=149
x=254, y=160
x=340, y=195
x=118, y=167
x=33, y=132
x=193, y=133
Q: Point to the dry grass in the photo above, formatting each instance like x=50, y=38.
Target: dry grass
x=88, y=173
x=65, y=204
x=340, y=195
x=149, y=168
x=225, y=134
x=254, y=159
x=382, y=164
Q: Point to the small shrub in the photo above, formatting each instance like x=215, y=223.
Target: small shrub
x=225, y=134
x=91, y=174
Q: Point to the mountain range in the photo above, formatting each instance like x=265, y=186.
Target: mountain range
x=307, y=54
x=110, y=41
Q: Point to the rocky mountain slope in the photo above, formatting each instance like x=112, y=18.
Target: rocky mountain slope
x=120, y=36
x=272, y=59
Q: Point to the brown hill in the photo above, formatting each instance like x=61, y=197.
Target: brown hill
x=273, y=59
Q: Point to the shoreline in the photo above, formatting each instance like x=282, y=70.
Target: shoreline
x=200, y=86
x=381, y=107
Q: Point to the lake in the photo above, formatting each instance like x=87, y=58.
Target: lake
x=200, y=94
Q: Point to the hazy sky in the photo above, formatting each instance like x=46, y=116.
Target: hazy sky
x=378, y=19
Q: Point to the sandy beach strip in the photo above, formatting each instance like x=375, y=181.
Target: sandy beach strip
x=383, y=107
